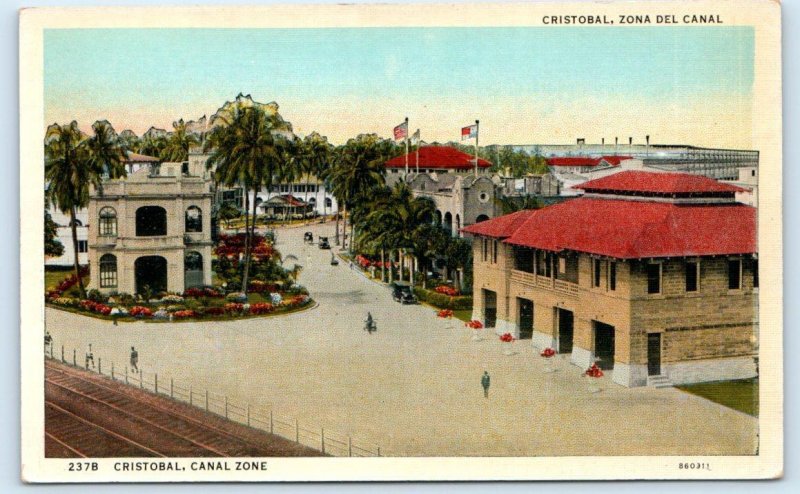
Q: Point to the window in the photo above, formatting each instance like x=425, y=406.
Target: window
x=692, y=272
x=562, y=265
x=734, y=274
x=755, y=273
x=108, y=222
x=596, y=272
x=485, y=250
x=108, y=271
x=194, y=219
x=653, y=278
x=494, y=253
x=523, y=259
x=328, y=202
x=544, y=263
x=83, y=246
x=612, y=276
x=151, y=221
x=312, y=188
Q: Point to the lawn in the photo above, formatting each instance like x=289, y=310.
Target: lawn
x=739, y=395
x=53, y=278
x=463, y=314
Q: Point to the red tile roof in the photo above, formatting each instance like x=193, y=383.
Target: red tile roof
x=502, y=226
x=631, y=229
x=141, y=158
x=585, y=160
x=438, y=157
x=657, y=183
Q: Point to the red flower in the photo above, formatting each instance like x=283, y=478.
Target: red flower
x=184, y=314
x=214, y=311
x=594, y=371
x=446, y=290
x=445, y=313
x=261, y=308
x=474, y=324
x=506, y=338
x=234, y=307
x=139, y=311
x=548, y=352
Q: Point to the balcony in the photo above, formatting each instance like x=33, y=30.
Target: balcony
x=534, y=281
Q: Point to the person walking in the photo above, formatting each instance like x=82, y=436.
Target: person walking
x=89, y=358
x=485, y=382
x=134, y=360
x=369, y=323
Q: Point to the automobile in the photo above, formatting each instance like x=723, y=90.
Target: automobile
x=403, y=293
x=323, y=243
x=308, y=237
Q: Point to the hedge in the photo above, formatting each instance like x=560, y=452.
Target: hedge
x=443, y=301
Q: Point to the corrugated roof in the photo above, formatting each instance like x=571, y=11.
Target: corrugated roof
x=585, y=160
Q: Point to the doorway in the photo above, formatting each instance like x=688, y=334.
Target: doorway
x=654, y=354
x=565, y=323
x=489, y=308
x=151, y=272
x=604, y=345
x=525, y=318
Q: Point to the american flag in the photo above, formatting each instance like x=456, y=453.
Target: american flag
x=469, y=132
x=401, y=131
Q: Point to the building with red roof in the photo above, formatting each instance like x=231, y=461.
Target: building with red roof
x=434, y=159
x=582, y=164
x=654, y=276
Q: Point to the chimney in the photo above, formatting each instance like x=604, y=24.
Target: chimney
x=630, y=141
x=603, y=142
x=616, y=143
x=647, y=149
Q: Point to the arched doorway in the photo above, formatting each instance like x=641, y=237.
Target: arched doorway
x=458, y=226
x=193, y=269
x=151, y=221
x=448, y=222
x=151, y=271
x=480, y=218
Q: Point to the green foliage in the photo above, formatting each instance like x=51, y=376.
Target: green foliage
x=442, y=301
x=178, y=142
x=513, y=204
x=52, y=245
x=96, y=296
x=228, y=212
x=518, y=163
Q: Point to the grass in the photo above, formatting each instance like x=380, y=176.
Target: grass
x=741, y=395
x=463, y=314
x=53, y=278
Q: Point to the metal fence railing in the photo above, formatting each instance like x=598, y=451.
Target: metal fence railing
x=326, y=441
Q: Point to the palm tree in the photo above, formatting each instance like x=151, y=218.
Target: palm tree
x=153, y=142
x=107, y=152
x=510, y=205
x=68, y=175
x=359, y=169
x=178, y=143
x=400, y=218
x=247, y=144
x=317, y=153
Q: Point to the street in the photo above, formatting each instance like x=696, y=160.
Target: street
x=414, y=386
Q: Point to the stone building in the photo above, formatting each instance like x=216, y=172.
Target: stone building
x=152, y=228
x=652, y=275
x=461, y=200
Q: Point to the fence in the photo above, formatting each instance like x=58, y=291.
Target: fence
x=326, y=441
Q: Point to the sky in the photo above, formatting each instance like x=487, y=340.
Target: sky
x=547, y=85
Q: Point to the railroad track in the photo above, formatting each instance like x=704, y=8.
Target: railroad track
x=158, y=424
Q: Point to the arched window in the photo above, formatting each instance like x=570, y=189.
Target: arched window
x=77, y=222
x=194, y=219
x=193, y=269
x=328, y=202
x=108, y=222
x=151, y=221
x=108, y=271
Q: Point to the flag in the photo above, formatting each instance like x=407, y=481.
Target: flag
x=469, y=132
x=401, y=131
x=415, y=138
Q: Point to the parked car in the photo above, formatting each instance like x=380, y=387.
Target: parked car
x=308, y=237
x=403, y=293
x=323, y=243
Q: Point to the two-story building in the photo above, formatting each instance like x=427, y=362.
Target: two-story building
x=654, y=276
x=152, y=228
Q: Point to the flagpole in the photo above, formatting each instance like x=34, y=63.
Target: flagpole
x=406, y=146
x=477, y=131
x=418, y=141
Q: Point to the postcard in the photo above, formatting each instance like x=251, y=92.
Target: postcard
x=515, y=241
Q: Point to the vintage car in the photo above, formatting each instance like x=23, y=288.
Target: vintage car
x=323, y=243
x=308, y=237
x=403, y=293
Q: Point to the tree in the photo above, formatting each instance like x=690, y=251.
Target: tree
x=178, y=143
x=510, y=205
x=52, y=245
x=228, y=212
x=359, y=168
x=106, y=152
x=153, y=142
x=316, y=156
x=248, y=141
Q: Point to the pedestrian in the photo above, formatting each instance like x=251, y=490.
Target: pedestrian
x=89, y=358
x=369, y=323
x=48, y=340
x=485, y=381
x=134, y=360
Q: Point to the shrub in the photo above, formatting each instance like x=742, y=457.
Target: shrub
x=234, y=308
x=172, y=299
x=96, y=296
x=124, y=298
x=184, y=314
x=174, y=308
x=237, y=297
x=66, y=301
x=442, y=301
x=446, y=290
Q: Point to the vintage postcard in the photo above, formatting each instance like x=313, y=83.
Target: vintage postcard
x=402, y=242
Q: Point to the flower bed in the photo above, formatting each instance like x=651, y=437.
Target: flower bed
x=548, y=352
x=442, y=301
x=445, y=313
x=446, y=290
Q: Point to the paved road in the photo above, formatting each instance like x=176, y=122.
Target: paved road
x=413, y=387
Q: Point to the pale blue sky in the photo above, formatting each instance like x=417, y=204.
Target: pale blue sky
x=525, y=84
